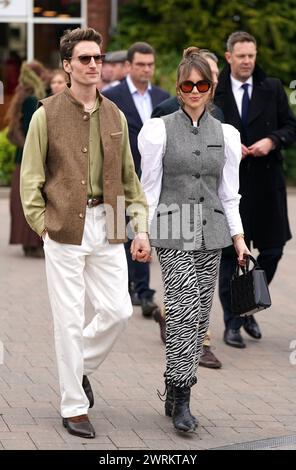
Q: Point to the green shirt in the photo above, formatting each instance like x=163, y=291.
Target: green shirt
x=34, y=166
x=28, y=109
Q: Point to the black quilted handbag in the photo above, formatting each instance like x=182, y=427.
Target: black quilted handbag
x=249, y=290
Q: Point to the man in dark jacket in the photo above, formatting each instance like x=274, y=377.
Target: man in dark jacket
x=258, y=107
x=136, y=98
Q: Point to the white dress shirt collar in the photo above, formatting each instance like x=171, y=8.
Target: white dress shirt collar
x=132, y=87
x=236, y=84
x=143, y=102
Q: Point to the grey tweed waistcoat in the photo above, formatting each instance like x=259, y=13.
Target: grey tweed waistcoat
x=189, y=208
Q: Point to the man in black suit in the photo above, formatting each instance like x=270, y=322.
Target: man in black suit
x=136, y=98
x=258, y=107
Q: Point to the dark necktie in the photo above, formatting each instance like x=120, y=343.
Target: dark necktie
x=245, y=105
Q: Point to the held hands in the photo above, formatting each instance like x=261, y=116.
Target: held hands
x=240, y=248
x=258, y=149
x=140, y=248
x=245, y=151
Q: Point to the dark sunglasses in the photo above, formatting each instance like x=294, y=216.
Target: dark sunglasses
x=85, y=59
x=202, y=86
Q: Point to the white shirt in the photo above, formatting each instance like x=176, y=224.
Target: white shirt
x=143, y=103
x=238, y=91
x=152, y=145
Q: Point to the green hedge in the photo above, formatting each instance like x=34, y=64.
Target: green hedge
x=7, y=158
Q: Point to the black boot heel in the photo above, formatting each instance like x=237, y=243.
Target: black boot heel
x=183, y=420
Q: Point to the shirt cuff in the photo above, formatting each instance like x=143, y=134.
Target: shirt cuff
x=37, y=226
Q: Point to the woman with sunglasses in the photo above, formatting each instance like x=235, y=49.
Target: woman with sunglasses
x=190, y=165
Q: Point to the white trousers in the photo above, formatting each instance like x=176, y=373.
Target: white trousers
x=100, y=270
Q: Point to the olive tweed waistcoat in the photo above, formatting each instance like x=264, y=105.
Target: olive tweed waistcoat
x=65, y=189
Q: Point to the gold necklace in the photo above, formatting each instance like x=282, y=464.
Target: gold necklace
x=90, y=109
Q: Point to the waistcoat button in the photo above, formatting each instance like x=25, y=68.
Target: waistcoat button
x=197, y=175
x=201, y=199
x=85, y=117
x=196, y=152
x=204, y=222
x=194, y=131
x=84, y=149
x=83, y=182
x=81, y=215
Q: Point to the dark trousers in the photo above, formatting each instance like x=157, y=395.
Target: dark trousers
x=138, y=274
x=268, y=260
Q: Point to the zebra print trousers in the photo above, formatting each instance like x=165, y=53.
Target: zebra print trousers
x=189, y=279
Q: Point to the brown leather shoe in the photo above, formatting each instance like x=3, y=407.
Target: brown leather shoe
x=79, y=426
x=88, y=391
x=161, y=321
x=208, y=359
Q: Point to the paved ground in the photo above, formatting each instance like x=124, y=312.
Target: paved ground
x=251, y=398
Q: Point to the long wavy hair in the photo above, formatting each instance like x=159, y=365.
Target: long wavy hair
x=32, y=82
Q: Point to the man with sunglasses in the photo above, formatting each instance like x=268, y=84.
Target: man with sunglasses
x=258, y=107
x=77, y=178
x=207, y=358
x=136, y=97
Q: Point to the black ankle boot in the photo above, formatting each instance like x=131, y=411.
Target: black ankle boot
x=169, y=402
x=182, y=418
